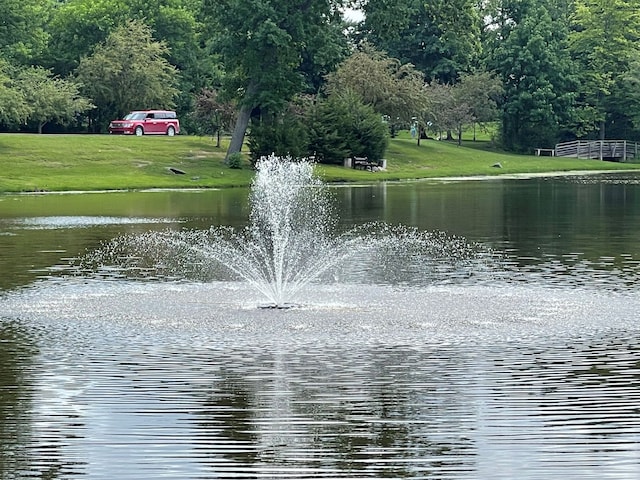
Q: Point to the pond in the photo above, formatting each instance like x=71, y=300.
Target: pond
x=527, y=366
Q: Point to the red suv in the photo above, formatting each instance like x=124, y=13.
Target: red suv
x=147, y=122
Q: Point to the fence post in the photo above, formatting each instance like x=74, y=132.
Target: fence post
x=601, y=144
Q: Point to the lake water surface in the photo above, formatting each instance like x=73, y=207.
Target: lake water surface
x=528, y=367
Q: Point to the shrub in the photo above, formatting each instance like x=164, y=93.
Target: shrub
x=235, y=160
x=285, y=136
x=343, y=126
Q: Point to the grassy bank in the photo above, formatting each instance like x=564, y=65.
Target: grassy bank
x=103, y=162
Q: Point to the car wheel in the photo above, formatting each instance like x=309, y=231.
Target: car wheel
x=171, y=131
x=139, y=131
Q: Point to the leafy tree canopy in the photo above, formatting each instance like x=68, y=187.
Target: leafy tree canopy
x=263, y=47
x=440, y=37
x=49, y=98
x=128, y=71
x=538, y=77
x=13, y=106
x=78, y=26
x=22, y=29
x=391, y=88
x=604, y=41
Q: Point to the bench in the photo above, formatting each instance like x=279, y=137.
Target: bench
x=364, y=163
x=547, y=151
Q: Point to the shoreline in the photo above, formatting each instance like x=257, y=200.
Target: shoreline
x=451, y=179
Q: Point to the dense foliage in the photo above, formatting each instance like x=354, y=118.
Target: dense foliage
x=128, y=71
x=546, y=70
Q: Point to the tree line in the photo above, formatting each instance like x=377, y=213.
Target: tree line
x=302, y=80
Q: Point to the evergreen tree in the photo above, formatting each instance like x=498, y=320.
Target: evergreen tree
x=342, y=126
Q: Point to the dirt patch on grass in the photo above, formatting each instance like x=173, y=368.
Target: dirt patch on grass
x=200, y=155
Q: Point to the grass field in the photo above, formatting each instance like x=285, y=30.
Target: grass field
x=102, y=162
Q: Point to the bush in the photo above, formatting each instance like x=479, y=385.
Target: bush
x=235, y=160
x=286, y=136
x=343, y=126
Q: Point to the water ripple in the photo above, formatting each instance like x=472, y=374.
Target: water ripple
x=445, y=382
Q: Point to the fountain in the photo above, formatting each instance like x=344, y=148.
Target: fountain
x=290, y=242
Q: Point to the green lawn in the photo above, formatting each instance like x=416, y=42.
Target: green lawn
x=103, y=162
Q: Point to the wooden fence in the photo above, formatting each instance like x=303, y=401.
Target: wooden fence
x=619, y=150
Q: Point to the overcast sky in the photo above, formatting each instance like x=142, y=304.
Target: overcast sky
x=353, y=15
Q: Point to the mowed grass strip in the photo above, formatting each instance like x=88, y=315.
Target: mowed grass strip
x=104, y=162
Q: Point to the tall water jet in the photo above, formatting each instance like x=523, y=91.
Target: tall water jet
x=290, y=241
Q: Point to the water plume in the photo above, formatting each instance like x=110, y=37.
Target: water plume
x=291, y=241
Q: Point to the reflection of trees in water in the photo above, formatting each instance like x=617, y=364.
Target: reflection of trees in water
x=334, y=411
x=16, y=390
x=380, y=413
x=227, y=420
x=591, y=385
x=32, y=435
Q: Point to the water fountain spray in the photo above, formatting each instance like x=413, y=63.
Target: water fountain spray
x=290, y=241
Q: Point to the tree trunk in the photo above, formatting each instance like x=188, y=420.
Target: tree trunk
x=603, y=135
x=237, y=138
x=242, y=122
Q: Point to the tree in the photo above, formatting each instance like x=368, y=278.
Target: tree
x=263, y=46
x=530, y=55
x=176, y=23
x=128, y=71
x=213, y=114
x=440, y=37
x=284, y=135
x=447, y=110
x=78, y=26
x=632, y=80
x=482, y=92
x=13, y=107
x=341, y=126
x=22, y=29
x=604, y=41
x=392, y=89
x=49, y=98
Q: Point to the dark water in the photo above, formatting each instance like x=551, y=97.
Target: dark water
x=529, y=370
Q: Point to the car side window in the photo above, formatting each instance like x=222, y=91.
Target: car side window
x=150, y=115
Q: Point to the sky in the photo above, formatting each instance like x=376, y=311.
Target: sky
x=353, y=15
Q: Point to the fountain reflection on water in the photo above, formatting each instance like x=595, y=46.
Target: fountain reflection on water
x=290, y=242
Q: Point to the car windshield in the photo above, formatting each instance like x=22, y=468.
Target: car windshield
x=135, y=116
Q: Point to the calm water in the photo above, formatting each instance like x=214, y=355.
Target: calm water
x=529, y=368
